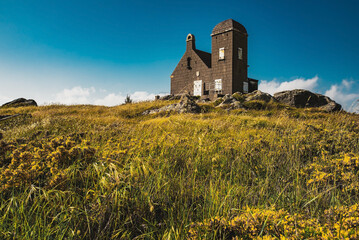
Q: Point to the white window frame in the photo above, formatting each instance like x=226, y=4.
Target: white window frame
x=221, y=53
x=218, y=85
x=240, y=53
x=245, y=87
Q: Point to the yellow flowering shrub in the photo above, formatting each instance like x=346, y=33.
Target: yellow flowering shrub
x=342, y=223
x=257, y=224
x=339, y=223
x=40, y=163
x=341, y=172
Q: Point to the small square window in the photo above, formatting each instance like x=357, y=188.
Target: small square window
x=218, y=85
x=221, y=53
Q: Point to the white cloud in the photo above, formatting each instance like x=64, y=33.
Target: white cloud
x=4, y=99
x=342, y=94
x=142, y=96
x=110, y=100
x=117, y=99
x=274, y=86
x=80, y=95
x=76, y=95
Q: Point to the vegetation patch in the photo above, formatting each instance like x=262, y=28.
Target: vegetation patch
x=92, y=172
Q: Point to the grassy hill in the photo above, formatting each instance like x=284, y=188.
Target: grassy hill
x=91, y=172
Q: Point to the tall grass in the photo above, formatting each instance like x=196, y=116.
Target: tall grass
x=154, y=176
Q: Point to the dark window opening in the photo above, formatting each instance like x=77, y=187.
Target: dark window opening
x=189, y=63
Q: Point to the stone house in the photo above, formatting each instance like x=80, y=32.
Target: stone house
x=224, y=71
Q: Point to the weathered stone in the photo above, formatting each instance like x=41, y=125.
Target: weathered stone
x=185, y=105
x=20, y=102
x=166, y=97
x=259, y=95
x=331, y=107
x=228, y=99
x=203, y=100
x=304, y=98
x=236, y=105
x=170, y=97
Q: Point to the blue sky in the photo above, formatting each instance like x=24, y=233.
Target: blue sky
x=98, y=51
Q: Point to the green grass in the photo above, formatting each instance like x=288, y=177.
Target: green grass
x=151, y=176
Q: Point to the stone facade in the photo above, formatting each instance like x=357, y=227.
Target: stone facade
x=224, y=71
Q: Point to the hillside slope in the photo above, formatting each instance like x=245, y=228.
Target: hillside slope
x=91, y=172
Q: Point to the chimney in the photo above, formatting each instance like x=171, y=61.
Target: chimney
x=191, y=42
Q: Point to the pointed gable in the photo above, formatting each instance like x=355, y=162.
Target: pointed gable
x=205, y=57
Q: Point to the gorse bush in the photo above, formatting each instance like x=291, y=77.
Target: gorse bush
x=43, y=163
x=253, y=223
x=91, y=172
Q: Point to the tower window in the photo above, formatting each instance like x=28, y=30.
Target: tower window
x=245, y=87
x=240, y=53
x=189, y=63
x=221, y=53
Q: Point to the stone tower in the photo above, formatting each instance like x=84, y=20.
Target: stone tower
x=229, y=56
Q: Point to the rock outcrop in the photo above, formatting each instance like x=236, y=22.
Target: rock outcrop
x=303, y=98
x=186, y=104
x=258, y=95
x=297, y=98
x=20, y=102
x=170, y=97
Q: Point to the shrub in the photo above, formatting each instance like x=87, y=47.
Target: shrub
x=239, y=97
x=255, y=105
x=217, y=101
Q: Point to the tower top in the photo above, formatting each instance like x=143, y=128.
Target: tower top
x=190, y=37
x=191, y=42
x=228, y=25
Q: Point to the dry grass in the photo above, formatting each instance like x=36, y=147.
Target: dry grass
x=92, y=172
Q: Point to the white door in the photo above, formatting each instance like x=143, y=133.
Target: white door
x=197, y=88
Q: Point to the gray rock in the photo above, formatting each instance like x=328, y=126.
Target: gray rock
x=331, y=107
x=227, y=100
x=186, y=104
x=204, y=100
x=258, y=95
x=237, y=105
x=20, y=102
x=170, y=97
x=303, y=98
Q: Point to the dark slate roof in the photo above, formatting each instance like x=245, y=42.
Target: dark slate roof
x=205, y=56
x=228, y=25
